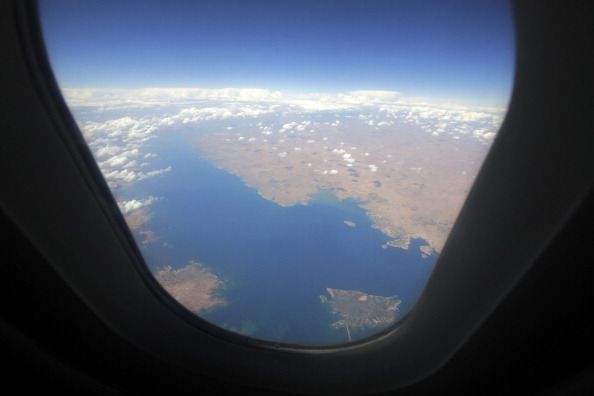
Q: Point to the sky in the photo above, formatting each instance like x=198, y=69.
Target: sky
x=458, y=50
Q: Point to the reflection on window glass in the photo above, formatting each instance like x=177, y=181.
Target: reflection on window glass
x=290, y=170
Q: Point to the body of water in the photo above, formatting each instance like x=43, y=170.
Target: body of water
x=276, y=261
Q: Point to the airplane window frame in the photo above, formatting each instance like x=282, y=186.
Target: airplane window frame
x=503, y=202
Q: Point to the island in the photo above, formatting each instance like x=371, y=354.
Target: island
x=426, y=250
x=359, y=310
x=193, y=285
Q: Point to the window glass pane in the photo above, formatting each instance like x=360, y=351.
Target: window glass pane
x=290, y=170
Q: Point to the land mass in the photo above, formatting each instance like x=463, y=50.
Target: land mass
x=137, y=221
x=193, y=286
x=411, y=184
x=359, y=310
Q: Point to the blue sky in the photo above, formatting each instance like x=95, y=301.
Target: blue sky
x=462, y=50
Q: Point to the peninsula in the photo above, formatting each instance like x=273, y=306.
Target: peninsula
x=193, y=286
x=412, y=184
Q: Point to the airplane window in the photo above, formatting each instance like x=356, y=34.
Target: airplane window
x=290, y=171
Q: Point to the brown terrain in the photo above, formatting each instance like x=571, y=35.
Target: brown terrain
x=411, y=184
x=359, y=310
x=193, y=286
x=137, y=221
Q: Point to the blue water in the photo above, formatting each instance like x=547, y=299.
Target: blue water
x=276, y=261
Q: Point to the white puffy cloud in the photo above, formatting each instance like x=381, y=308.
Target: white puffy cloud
x=118, y=144
x=134, y=204
x=121, y=143
x=288, y=126
x=155, y=172
x=124, y=175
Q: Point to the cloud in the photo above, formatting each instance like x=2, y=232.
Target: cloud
x=121, y=144
x=107, y=98
x=124, y=175
x=118, y=144
x=197, y=105
x=134, y=204
x=154, y=172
